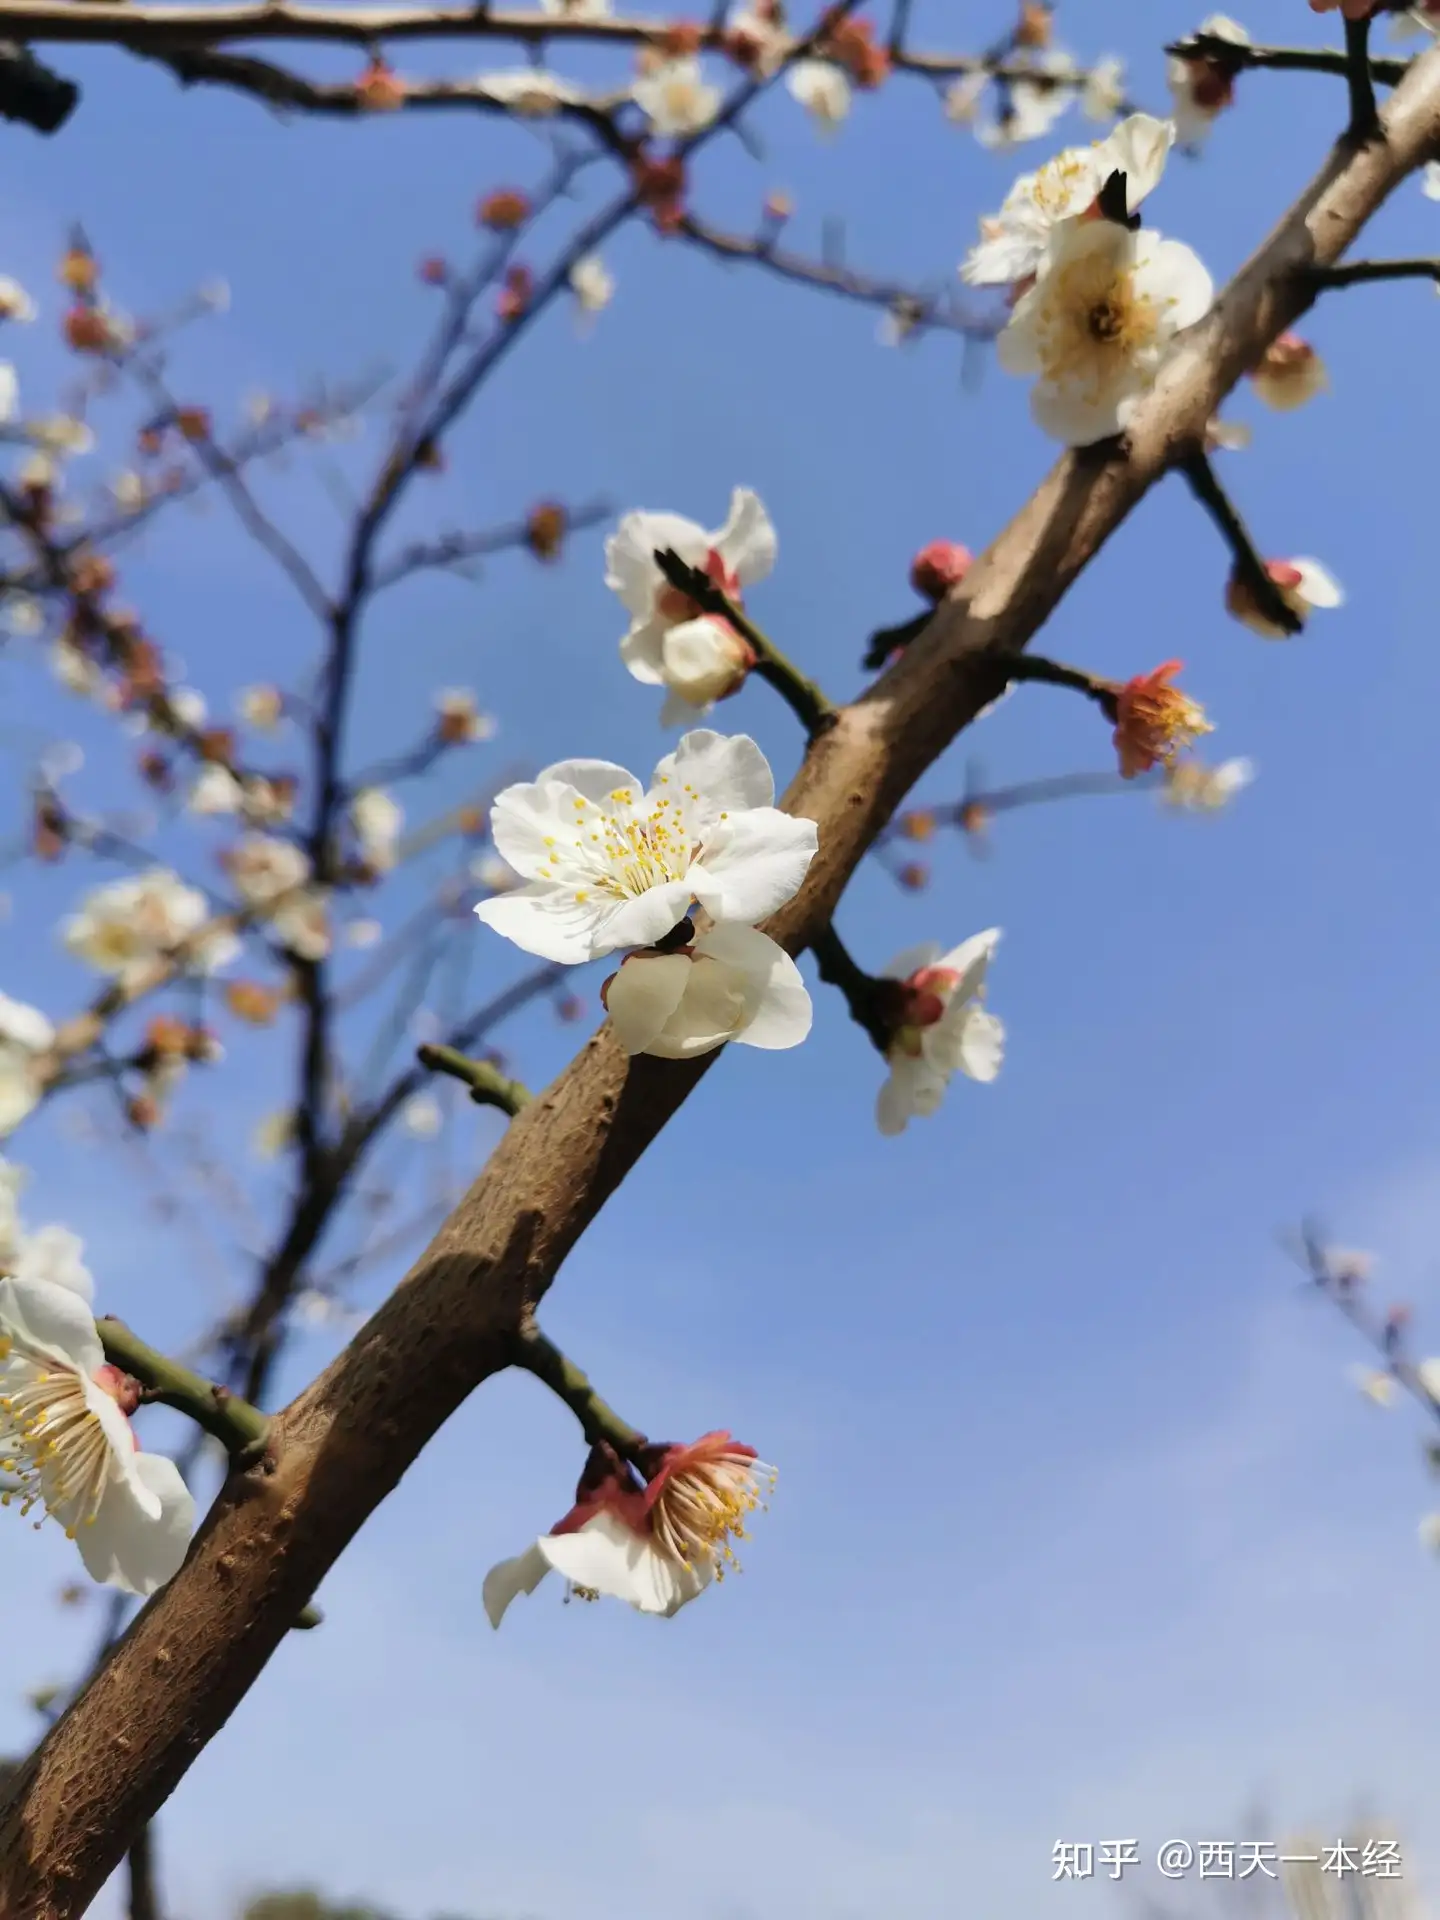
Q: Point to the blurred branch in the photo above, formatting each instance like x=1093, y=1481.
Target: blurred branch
x=1239, y=59
x=32, y=93
x=488, y=1086
x=1357, y=273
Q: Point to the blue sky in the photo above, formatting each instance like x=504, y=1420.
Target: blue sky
x=1080, y=1530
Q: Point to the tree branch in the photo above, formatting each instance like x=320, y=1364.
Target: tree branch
x=1205, y=485
x=488, y=1086
x=240, y=1428
x=1364, y=115
x=339, y=1448
x=535, y=1354
x=1360, y=273
x=1209, y=46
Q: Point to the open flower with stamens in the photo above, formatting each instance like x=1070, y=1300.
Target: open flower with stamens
x=25, y=1036
x=939, y=1027
x=1302, y=584
x=734, y=557
x=656, y=1545
x=1154, y=720
x=123, y=926
x=608, y=864
x=1012, y=242
x=65, y=1436
x=676, y=98
x=732, y=983
x=1096, y=325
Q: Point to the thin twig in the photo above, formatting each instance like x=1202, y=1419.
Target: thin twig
x=1364, y=114
x=488, y=1086
x=1359, y=273
x=1249, y=566
x=532, y=1351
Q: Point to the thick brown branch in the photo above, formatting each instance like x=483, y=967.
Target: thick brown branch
x=343, y=1445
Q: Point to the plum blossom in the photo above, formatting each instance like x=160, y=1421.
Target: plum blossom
x=1103, y=95
x=734, y=557
x=1302, y=584
x=422, y=1117
x=377, y=820
x=25, y=1037
x=732, y=983
x=262, y=868
x=530, y=91
x=939, y=1027
x=1030, y=108
x=676, y=98
x=1097, y=324
x=657, y=1543
x=1014, y=241
x=592, y=284
x=215, y=790
x=1192, y=787
x=1289, y=373
x=15, y=302
x=301, y=922
x=823, y=89
x=65, y=1435
x=1202, y=88
x=608, y=865
x=124, y=926
x=1154, y=720
x=261, y=707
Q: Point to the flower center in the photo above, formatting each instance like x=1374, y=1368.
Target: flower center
x=1095, y=323
x=52, y=1442
x=703, y=1508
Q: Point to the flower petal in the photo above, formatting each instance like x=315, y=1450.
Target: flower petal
x=1138, y=148
x=50, y=1321
x=981, y=1048
x=753, y=863
x=1318, y=584
x=913, y=1087
x=630, y=569
x=543, y=920
x=780, y=1014
x=728, y=769
x=1175, y=278
x=611, y=1558
x=747, y=543
x=971, y=960
x=140, y=1536
x=642, y=921
x=642, y=651
x=510, y=1578
x=644, y=994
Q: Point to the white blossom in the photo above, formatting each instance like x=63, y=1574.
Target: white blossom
x=732, y=983
x=734, y=557
x=608, y=865
x=762, y=36
x=377, y=820
x=263, y=867
x=301, y=922
x=9, y=391
x=15, y=302
x=943, y=1028
x=530, y=91
x=1096, y=325
x=1303, y=585
x=188, y=706
x=261, y=707
x=1429, y=1532
x=74, y=669
x=592, y=283
x=123, y=926
x=25, y=1036
x=1034, y=105
x=676, y=98
x=273, y=1134
x=1430, y=180
x=66, y=1438
x=823, y=89
x=460, y=714
x=1192, y=787
x=1198, y=93
x=1014, y=241
x=1103, y=94
x=214, y=790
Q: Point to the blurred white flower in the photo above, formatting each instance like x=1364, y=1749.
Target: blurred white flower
x=262, y=868
x=1192, y=787
x=9, y=391
x=493, y=872
x=75, y=669
x=1303, y=585
x=592, y=283
x=61, y=433
x=363, y=933
x=422, y=1117
x=1103, y=94
x=576, y=9
x=188, y=706
x=22, y=614
x=261, y=707
x=214, y=790
x=273, y=1134
x=1201, y=90
x=25, y=1036
x=531, y=92
x=461, y=717
x=676, y=98
x=377, y=820
x=1034, y=105
x=1376, y=1386
x=129, y=491
x=1289, y=374
x=301, y=922
x=123, y=926
x=823, y=89
x=1429, y=1531
x=15, y=302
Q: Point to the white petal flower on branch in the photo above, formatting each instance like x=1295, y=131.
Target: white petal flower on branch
x=262, y=868
x=25, y=1036
x=1378, y=1387
x=756, y=39
x=656, y=1546
x=1289, y=374
x=75, y=670
x=53, y=1255
x=1201, y=90
x=215, y=790
x=188, y=706
x=823, y=89
x=941, y=1028
x=66, y=1437
x=1034, y=105
x=530, y=91
x=261, y=707
x=576, y=9
x=15, y=302
x=461, y=718
x=1103, y=95
x=607, y=864
x=377, y=819
x=1096, y=325
x=1192, y=787
x=676, y=98
x=732, y=983
x=1303, y=586
x=734, y=557
x=301, y=922
x=701, y=661
x=592, y=284
x=1014, y=241
x=22, y=614
x=124, y=925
